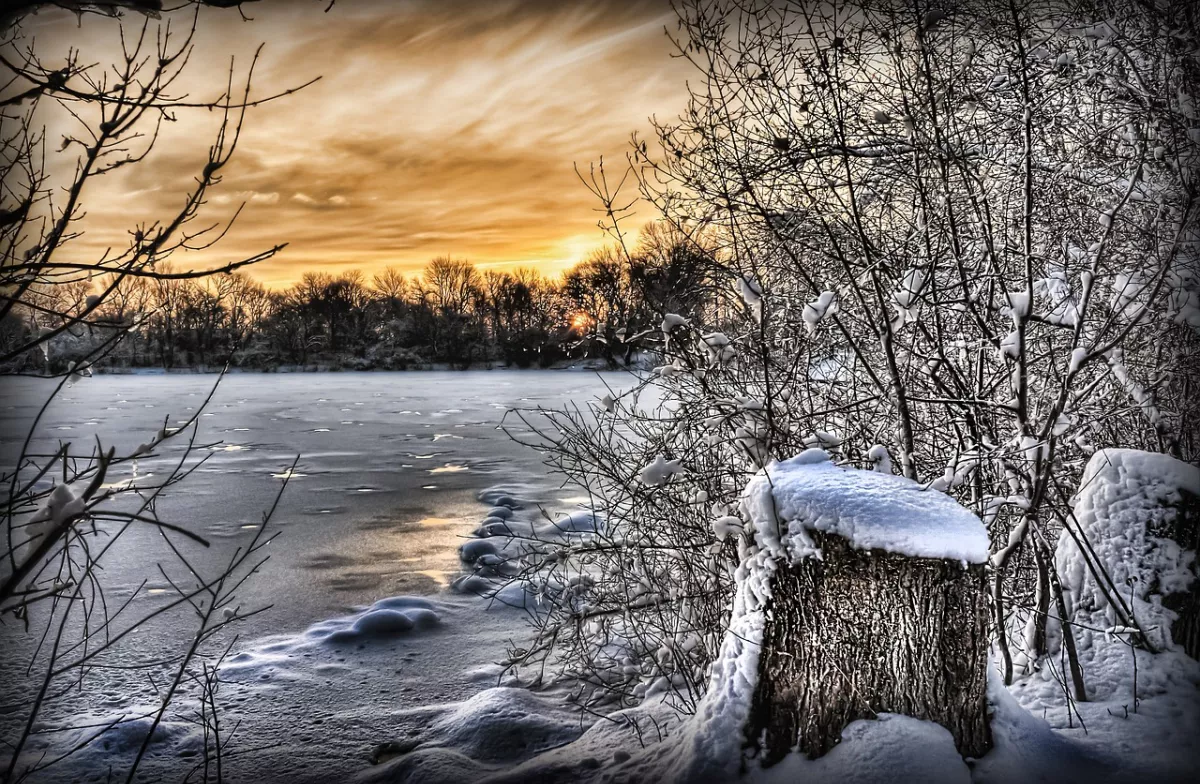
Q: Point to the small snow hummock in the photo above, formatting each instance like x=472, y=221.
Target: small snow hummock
x=507, y=540
x=384, y=619
x=870, y=509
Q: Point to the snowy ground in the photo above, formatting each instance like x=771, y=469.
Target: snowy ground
x=365, y=645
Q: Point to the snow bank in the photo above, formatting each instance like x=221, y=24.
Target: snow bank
x=385, y=620
x=869, y=508
x=1127, y=500
x=508, y=735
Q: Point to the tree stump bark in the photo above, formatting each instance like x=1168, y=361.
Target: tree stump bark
x=862, y=632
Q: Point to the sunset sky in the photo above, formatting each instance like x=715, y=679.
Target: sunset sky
x=436, y=128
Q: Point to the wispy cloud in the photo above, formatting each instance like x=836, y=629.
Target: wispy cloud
x=437, y=127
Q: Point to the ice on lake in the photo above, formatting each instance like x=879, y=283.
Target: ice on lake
x=373, y=510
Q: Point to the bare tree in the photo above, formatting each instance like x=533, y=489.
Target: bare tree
x=67, y=513
x=451, y=284
x=960, y=244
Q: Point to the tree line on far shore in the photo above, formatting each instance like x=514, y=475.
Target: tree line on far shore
x=451, y=313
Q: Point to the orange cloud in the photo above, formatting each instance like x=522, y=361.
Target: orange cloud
x=436, y=127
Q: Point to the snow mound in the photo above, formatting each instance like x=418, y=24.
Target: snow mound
x=1127, y=500
x=383, y=619
x=869, y=508
x=381, y=623
x=108, y=741
x=502, y=724
x=508, y=496
x=387, y=619
x=498, y=725
x=886, y=750
x=509, y=541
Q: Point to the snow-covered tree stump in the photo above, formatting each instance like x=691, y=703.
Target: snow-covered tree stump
x=862, y=632
x=859, y=593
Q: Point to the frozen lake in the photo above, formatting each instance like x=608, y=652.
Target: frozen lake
x=385, y=490
x=390, y=465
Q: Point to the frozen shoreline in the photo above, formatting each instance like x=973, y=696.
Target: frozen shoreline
x=384, y=494
x=593, y=365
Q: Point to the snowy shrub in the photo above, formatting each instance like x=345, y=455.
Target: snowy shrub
x=964, y=252
x=1129, y=522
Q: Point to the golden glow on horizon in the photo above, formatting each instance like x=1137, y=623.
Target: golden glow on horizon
x=437, y=128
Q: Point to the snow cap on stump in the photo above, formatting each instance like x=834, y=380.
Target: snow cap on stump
x=871, y=510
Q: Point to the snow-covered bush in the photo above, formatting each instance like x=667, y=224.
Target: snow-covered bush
x=962, y=245
x=1125, y=560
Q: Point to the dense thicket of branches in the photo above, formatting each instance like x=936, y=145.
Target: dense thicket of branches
x=960, y=243
x=450, y=313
